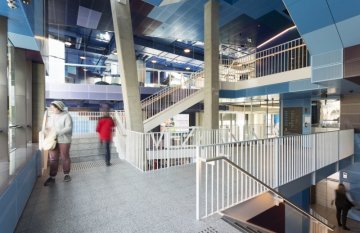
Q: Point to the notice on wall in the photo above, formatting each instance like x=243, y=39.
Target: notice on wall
x=292, y=120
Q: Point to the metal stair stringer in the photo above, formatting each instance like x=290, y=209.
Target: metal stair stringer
x=173, y=110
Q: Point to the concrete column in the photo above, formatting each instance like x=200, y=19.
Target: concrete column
x=211, y=91
x=38, y=99
x=127, y=64
x=29, y=103
x=4, y=121
x=21, y=74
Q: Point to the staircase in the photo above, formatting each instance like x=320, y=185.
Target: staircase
x=264, y=210
x=173, y=100
x=88, y=148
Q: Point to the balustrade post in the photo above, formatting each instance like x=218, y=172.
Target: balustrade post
x=198, y=180
x=313, y=174
x=338, y=154
x=276, y=163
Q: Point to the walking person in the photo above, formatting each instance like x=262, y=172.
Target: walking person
x=104, y=128
x=60, y=123
x=343, y=203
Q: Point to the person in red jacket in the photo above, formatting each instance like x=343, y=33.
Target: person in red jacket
x=104, y=128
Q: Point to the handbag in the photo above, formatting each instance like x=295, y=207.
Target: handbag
x=49, y=142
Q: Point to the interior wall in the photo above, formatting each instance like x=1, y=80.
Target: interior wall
x=350, y=112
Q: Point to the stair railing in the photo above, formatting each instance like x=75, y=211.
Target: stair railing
x=171, y=95
x=284, y=57
x=242, y=175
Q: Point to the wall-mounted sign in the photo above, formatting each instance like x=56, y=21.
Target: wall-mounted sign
x=345, y=175
x=292, y=120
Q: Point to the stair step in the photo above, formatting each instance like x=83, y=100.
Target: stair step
x=84, y=146
x=92, y=158
x=79, y=153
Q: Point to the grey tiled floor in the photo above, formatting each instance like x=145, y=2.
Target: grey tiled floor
x=118, y=199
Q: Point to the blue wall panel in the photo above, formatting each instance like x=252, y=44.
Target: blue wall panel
x=323, y=40
x=349, y=31
x=309, y=15
x=324, y=172
x=278, y=88
x=302, y=85
x=8, y=213
x=302, y=199
x=15, y=196
x=256, y=91
x=342, y=10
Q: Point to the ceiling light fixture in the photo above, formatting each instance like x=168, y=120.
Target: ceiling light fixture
x=67, y=43
x=12, y=4
x=187, y=50
x=153, y=61
x=187, y=68
x=82, y=58
x=276, y=36
x=85, y=69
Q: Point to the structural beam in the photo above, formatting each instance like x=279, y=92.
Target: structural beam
x=127, y=64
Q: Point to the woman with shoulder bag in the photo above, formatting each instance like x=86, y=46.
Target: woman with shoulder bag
x=60, y=124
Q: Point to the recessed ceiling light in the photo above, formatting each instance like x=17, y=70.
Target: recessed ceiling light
x=153, y=61
x=187, y=50
x=67, y=43
x=187, y=68
x=82, y=58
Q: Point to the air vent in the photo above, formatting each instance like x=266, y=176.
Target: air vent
x=88, y=18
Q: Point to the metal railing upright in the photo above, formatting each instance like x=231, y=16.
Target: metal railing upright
x=234, y=174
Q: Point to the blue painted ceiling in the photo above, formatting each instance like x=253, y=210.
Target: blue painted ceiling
x=164, y=27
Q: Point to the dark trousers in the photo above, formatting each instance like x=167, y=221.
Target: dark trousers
x=341, y=214
x=107, y=151
x=61, y=149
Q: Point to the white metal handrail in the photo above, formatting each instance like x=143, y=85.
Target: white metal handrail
x=84, y=123
x=284, y=57
x=234, y=174
x=168, y=96
x=277, y=161
x=152, y=151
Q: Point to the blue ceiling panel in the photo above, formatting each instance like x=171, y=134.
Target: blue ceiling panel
x=323, y=40
x=231, y=1
x=153, y=2
x=310, y=15
x=349, y=31
x=165, y=12
x=342, y=10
